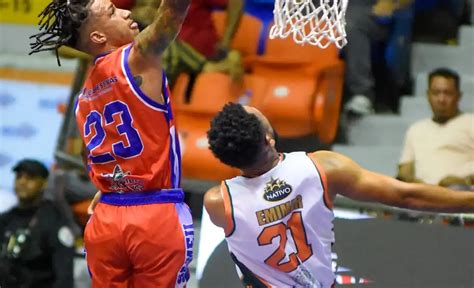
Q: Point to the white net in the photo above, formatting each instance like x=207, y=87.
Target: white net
x=310, y=23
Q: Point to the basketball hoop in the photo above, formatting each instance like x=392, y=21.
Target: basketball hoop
x=309, y=23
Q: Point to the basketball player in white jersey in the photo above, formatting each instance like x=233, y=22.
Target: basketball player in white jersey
x=278, y=215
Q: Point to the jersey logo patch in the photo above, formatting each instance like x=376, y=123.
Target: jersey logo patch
x=99, y=89
x=120, y=182
x=276, y=190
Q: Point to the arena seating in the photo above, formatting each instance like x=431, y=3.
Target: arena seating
x=299, y=88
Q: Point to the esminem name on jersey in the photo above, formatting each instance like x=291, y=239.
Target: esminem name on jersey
x=278, y=212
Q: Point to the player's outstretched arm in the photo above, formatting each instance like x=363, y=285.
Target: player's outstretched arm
x=165, y=27
x=347, y=178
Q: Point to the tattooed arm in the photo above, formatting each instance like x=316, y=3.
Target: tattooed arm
x=165, y=27
x=145, y=57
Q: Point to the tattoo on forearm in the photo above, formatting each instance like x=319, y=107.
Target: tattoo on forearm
x=165, y=27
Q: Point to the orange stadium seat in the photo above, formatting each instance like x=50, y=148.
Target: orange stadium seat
x=179, y=91
x=284, y=96
x=288, y=49
x=197, y=160
x=327, y=104
x=280, y=51
x=303, y=88
x=247, y=36
x=211, y=91
x=299, y=88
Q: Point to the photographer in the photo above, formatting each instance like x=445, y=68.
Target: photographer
x=36, y=247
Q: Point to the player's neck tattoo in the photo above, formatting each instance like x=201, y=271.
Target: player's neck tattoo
x=138, y=80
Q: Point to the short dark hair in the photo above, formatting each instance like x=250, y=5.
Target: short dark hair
x=33, y=168
x=446, y=73
x=235, y=136
x=59, y=25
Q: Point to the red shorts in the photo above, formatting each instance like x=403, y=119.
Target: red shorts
x=139, y=246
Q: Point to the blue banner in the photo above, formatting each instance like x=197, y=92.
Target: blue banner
x=29, y=127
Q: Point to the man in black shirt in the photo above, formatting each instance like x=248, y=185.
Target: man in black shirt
x=36, y=247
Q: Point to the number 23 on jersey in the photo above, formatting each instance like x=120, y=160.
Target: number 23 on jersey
x=125, y=128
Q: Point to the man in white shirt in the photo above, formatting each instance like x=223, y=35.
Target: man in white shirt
x=440, y=150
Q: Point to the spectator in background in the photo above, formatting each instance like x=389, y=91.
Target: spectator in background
x=367, y=23
x=440, y=150
x=198, y=47
x=36, y=246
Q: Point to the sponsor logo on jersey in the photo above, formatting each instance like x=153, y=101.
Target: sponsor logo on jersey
x=276, y=190
x=99, y=89
x=120, y=182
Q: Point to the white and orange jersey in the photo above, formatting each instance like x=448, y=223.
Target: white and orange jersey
x=279, y=226
x=131, y=139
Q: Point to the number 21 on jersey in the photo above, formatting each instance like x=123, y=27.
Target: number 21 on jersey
x=303, y=249
x=125, y=128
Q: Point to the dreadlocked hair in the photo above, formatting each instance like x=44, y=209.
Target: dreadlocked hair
x=235, y=136
x=59, y=25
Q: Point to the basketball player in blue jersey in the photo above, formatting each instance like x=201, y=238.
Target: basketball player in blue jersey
x=294, y=192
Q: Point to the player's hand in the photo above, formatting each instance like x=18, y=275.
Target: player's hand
x=95, y=200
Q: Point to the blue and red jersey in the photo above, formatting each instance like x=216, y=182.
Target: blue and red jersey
x=132, y=141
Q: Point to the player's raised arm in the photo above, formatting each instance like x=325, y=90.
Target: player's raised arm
x=165, y=27
x=347, y=178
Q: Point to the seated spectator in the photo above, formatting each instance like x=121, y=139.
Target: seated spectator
x=198, y=46
x=440, y=150
x=367, y=23
x=36, y=246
